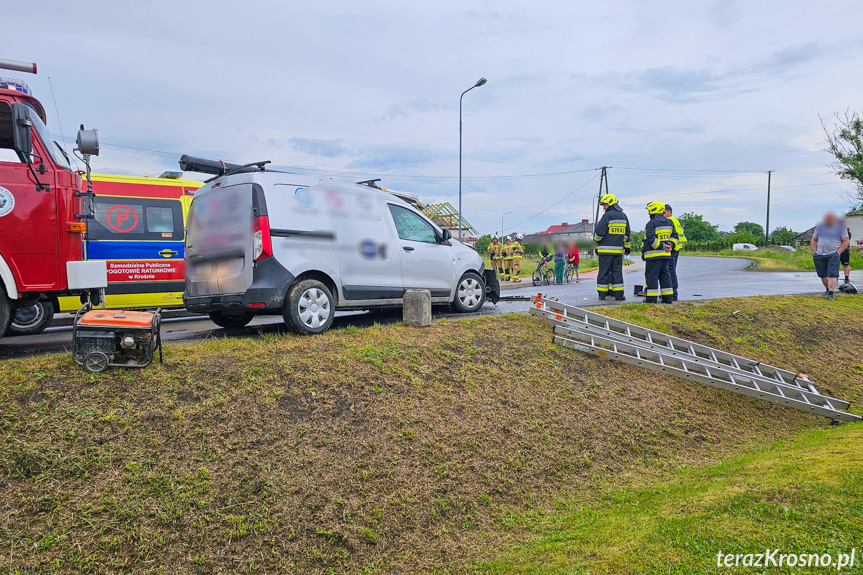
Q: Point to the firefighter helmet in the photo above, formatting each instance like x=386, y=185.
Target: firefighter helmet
x=655, y=208
x=848, y=288
x=608, y=199
x=519, y=237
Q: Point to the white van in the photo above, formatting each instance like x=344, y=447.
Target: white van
x=743, y=247
x=265, y=242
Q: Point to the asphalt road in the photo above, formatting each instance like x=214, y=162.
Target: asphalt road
x=700, y=278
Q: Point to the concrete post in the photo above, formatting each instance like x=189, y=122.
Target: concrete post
x=417, y=308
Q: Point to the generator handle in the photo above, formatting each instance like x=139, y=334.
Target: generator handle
x=157, y=324
x=83, y=309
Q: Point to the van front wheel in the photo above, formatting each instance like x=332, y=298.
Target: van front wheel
x=469, y=294
x=309, y=308
x=230, y=320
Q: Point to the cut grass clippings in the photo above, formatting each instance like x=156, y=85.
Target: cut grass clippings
x=378, y=450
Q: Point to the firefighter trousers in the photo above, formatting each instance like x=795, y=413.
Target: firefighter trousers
x=507, y=267
x=672, y=270
x=658, y=280
x=609, y=280
x=516, y=267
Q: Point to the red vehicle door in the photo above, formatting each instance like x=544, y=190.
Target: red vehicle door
x=28, y=216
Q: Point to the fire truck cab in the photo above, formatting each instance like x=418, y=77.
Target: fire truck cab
x=43, y=209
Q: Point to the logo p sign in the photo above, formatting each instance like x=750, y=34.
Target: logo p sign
x=121, y=219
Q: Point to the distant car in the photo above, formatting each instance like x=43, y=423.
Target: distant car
x=789, y=248
x=744, y=247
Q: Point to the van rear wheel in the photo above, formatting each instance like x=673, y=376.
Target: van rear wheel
x=469, y=294
x=309, y=308
x=230, y=320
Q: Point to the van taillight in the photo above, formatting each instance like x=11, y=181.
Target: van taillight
x=262, y=244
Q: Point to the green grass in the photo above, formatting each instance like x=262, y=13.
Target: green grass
x=803, y=496
x=393, y=449
x=776, y=259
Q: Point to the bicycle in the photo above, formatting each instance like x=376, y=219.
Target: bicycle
x=569, y=273
x=542, y=273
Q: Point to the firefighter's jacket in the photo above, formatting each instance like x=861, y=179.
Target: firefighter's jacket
x=658, y=233
x=612, y=232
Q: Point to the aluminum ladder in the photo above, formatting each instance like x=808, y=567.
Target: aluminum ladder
x=599, y=335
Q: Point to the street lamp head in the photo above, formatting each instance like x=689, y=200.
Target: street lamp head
x=480, y=82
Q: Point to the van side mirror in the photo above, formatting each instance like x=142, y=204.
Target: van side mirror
x=446, y=235
x=22, y=138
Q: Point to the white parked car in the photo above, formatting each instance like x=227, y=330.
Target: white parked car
x=262, y=242
x=743, y=247
x=788, y=248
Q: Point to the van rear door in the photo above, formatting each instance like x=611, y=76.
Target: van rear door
x=219, y=258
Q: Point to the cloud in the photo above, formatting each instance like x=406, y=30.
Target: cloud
x=725, y=13
x=412, y=109
x=313, y=147
x=601, y=112
x=686, y=85
x=372, y=90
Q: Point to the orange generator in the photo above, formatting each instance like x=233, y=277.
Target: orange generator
x=115, y=338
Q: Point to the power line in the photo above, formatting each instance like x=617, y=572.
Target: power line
x=552, y=205
x=649, y=172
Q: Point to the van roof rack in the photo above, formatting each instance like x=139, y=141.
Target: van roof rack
x=410, y=198
x=217, y=168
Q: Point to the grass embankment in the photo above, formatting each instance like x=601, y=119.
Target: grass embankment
x=801, y=497
x=382, y=449
x=776, y=259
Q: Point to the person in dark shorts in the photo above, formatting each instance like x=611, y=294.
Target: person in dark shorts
x=845, y=258
x=829, y=240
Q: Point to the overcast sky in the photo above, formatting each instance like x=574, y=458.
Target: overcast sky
x=688, y=102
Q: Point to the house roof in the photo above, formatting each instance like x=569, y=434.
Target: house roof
x=556, y=229
x=804, y=235
x=580, y=227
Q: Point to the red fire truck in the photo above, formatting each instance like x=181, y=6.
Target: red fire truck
x=43, y=208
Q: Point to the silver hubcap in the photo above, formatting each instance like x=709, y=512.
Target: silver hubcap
x=314, y=307
x=28, y=316
x=469, y=292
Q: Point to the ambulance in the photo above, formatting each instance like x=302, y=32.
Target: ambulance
x=139, y=232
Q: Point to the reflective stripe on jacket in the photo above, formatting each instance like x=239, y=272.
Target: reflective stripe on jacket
x=681, y=237
x=612, y=232
x=658, y=233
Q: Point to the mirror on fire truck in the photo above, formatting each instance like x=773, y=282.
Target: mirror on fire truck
x=22, y=139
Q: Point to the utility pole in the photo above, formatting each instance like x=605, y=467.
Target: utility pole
x=603, y=177
x=767, y=227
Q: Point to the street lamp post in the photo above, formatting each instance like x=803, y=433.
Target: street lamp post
x=479, y=83
x=501, y=224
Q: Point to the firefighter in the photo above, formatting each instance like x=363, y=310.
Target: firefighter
x=517, y=252
x=506, y=258
x=660, y=239
x=612, y=242
x=494, y=254
x=681, y=240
